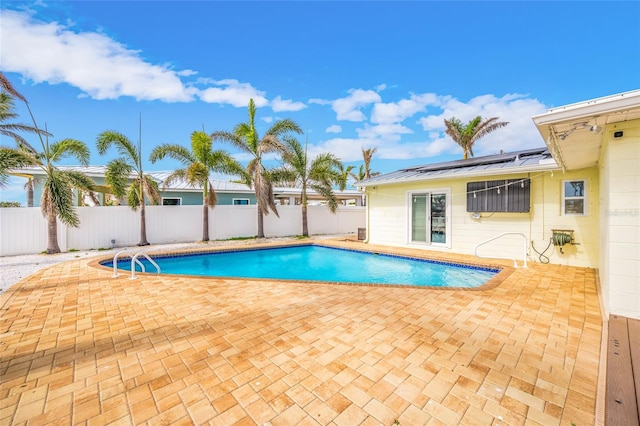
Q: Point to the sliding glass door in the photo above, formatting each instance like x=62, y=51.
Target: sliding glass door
x=428, y=217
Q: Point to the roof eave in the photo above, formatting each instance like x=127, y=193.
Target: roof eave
x=608, y=104
x=459, y=175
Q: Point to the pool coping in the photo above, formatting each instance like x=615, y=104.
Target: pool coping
x=503, y=271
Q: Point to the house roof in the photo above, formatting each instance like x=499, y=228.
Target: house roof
x=182, y=186
x=506, y=163
x=574, y=133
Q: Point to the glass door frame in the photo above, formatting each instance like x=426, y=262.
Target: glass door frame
x=429, y=192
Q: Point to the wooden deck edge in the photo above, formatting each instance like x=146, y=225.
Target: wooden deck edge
x=601, y=389
x=621, y=403
x=634, y=345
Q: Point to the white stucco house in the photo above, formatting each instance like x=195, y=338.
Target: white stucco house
x=573, y=201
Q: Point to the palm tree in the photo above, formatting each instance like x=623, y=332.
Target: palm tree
x=198, y=164
x=364, y=171
x=467, y=135
x=141, y=188
x=320, y=175
x=345, y=173
x=57, y=193
x=245, y=137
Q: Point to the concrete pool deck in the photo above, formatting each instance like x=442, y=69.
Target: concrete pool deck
x=80, y=347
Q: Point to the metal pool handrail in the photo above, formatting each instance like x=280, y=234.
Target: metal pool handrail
x=135, y=260
x=115, y=263
x=524, y=252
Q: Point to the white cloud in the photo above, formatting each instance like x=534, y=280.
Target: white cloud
x=349, y=108
x=395, y=112
x=267, y=119
x=334, y=128
x=278, y=104
x=319, y=101
x=388, y=132
x=232, y=92
x=94, y=63
x=344, y=148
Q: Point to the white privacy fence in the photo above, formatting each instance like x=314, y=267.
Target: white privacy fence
x=24, y=230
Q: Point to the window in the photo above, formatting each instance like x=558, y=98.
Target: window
x=172, y=201
x=510, y=195
x=574, y=197
x=241, y=202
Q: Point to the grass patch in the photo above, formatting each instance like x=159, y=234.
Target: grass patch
x=240, y=238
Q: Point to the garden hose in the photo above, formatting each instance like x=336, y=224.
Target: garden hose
x=541, y=256
x=561, y=239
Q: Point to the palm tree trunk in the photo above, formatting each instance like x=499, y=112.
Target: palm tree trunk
x=305, y=227
x=52, y=235
x=205, y=221
x=143, y=227
x=30, y=193
x=260, y=222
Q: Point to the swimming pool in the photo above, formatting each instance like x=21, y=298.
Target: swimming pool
x=319, y=263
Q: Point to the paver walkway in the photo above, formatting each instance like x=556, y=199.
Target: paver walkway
x=80, y=347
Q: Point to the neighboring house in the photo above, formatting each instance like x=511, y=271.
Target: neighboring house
x=181, y=193
x=576, y=201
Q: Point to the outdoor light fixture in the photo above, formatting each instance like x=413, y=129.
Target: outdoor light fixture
x=577, y=126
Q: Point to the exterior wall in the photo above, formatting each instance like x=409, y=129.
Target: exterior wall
x=620, y=225
x=388, y=219
x=24, y=230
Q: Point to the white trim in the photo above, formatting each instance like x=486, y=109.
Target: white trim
x=584, y=198
x=172, y=198
x=599, y=106
x=433, y=191
x=233, y=201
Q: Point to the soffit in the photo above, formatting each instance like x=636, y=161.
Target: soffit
x=575, y=133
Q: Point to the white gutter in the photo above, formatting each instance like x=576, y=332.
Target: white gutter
x=605, y=105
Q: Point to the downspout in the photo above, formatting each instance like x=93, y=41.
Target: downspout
x=366, y=215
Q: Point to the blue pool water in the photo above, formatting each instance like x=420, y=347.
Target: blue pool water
x=317, y=263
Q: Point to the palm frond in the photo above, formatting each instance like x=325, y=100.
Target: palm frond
x=6, y=86
x=78, y=180
x=133, y=194
x=151, y=190
x=67, y=148
x=57, y=199
x=327, y=193
x=11, y=158
x=126, y=149
x=212, y=197
x=173, y=151
x=178, y=175
x=117, y=176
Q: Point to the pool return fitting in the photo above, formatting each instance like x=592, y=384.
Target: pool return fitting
x=134, y=261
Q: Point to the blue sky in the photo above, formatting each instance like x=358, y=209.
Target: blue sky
x=351, y=74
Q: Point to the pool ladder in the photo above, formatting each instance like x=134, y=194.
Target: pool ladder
x=524, y=251
x=134, y=261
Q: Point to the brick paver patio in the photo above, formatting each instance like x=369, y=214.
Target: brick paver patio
x=80, y=347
